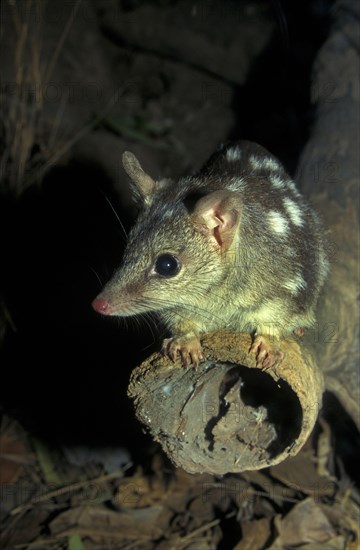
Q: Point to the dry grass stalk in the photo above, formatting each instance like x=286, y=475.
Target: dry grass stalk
x=25, y=155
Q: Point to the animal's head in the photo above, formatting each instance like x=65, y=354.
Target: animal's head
x=175, y=250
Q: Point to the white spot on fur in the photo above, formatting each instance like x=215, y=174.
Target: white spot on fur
x=278, y=223
x=233, y=154
x=291, y=185
x=271, y=164
x=277, y=182
x=295, y=285
x=266, y=163
x=293, y=212
x=255, y=162
x=236, y=184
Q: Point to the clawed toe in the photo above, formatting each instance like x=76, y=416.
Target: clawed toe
x=187, y=349
x=266, y=356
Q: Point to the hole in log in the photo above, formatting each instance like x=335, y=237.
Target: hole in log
x=264, y=414
x=226, y=415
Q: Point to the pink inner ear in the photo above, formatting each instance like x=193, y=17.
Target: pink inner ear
x=222, y=232
x=217, y=215
x=218, y=236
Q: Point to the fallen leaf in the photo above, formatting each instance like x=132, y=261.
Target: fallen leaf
x=306, y=522
x=275, y=491
x=344, y=514
x=300, y=473
x=255, y=534
x=97, y=521
x=337, y=543
x=13, y=456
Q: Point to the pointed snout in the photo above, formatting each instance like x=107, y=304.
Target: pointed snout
x=101, y=306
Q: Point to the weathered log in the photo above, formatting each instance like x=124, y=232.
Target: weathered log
x=229, y=415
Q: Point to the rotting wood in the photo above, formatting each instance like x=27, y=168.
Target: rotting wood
x=229, y=415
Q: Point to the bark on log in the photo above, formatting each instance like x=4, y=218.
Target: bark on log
x=229, y=416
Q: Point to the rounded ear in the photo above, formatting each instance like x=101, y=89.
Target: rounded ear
x=143, y=186
x=217, y=215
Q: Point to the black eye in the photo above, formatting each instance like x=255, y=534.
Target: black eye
x=167, y=265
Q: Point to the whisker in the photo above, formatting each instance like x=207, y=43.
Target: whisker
x=96, y=275
x=124, y=234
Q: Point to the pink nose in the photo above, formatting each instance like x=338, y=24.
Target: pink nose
x=101, y=306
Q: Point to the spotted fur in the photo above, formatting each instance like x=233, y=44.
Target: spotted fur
x=251, y=249
x=277, y=222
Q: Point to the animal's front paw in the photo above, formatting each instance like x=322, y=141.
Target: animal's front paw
x=266, y=355
x=187, y=347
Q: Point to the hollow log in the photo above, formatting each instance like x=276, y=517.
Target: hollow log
x=229, y=415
